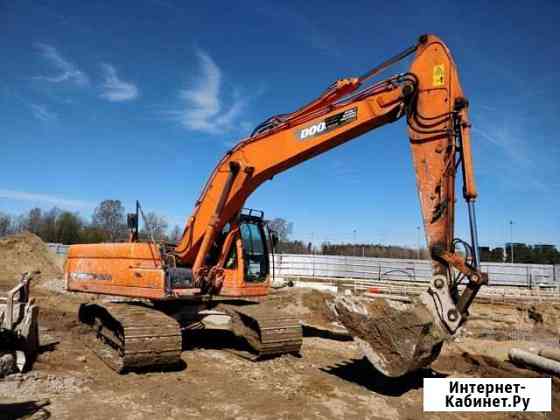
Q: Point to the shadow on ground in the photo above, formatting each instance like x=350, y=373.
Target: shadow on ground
x=46, y=348
x=213, y=339
x=226, y=341
x=361, y=372
x=29, y=409
x=176, y=367
x=312, y=331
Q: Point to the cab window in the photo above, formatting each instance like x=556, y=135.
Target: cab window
x=255, y=252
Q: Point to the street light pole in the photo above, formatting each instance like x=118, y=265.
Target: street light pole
x=418, y=242
x=354, y=235
x=511, y=238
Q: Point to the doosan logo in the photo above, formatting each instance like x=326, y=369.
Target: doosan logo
x=312, y=130
x=330, y=123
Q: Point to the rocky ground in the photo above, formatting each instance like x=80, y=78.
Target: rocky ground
x=330, y=380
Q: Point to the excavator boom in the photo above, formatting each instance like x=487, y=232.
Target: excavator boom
x=286, y=143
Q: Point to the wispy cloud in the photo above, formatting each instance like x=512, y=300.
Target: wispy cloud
x=204, y=109
x=42, y=113
x=513, y=155
x=116, y=89
x=66, y=70
x=45, y=199
x=503, y=137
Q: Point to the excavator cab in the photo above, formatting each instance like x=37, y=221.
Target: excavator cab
x=255, y=249
x=247, y=244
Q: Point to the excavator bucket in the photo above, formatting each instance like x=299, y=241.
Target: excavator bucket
x=396, y=337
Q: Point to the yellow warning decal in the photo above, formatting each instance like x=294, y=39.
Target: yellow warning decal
x=439, y=75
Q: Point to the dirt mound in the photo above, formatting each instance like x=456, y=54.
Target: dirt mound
x=543, y=315
x=309, y=304
x=25, y=252
x=508, y=321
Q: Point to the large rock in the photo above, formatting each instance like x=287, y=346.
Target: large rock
x=7, y=364
x=397, y=338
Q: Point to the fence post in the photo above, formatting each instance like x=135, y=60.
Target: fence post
x=313, y=262
x=555, y=270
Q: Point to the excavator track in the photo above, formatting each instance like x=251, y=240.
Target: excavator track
x=132, y=336
x=268, y=331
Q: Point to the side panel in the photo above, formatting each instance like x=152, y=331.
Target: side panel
x=125, y=269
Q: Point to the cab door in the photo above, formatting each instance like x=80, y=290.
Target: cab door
x=255, y=253
x=246, y=265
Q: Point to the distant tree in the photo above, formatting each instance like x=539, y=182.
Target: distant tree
x=373, y=250
x=33, y=221
x=155, y=224
x=547, y=254
x=497, y=255
x=109, y=217
x=48, y=227
x=175, y=234
x=522, y=253
x=68, y=228
x=282, y=228
x=91, y=235
x=293, y=247
x=18, y=223
x=491, y=255
x=5, y=224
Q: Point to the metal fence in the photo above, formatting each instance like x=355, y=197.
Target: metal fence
x=58, y=249
x=328, y=266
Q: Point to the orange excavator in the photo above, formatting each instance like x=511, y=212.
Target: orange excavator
x=218, y=273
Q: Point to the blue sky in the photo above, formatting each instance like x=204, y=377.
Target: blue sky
x=139, y=100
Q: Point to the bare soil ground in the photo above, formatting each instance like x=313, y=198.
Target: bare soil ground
x=331, y=380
